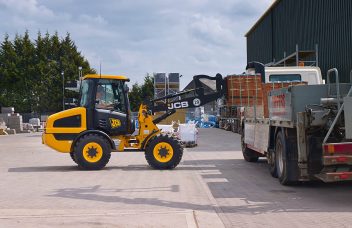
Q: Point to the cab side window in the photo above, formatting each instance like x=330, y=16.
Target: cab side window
x=105, y=97
x=110, y=96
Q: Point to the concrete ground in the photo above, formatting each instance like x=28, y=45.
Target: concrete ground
x=212, y=187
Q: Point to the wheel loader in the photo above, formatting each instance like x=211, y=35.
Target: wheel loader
x=102, y=123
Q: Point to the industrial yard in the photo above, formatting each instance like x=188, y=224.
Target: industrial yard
x=212, y=187
x=198, y=114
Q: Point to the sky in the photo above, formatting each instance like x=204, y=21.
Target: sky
x=135, y=37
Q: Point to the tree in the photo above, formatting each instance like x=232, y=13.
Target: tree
x=31, y=72
x=141, y=93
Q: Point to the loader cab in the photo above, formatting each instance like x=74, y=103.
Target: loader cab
x=105, y=98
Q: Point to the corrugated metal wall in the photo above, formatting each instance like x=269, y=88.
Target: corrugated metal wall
x=327, y=23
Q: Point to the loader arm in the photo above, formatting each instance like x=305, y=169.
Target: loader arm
x=188, y=99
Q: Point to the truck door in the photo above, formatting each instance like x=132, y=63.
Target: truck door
x=110, y=114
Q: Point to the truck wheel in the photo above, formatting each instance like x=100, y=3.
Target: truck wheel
x=92, y=152
x=164, y=152
x=248, y=154
x=272, y=163
x=286, y=164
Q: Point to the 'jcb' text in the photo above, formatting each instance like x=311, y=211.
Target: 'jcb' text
x=176, y=105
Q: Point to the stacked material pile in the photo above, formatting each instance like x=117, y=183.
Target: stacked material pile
x=2, y=127
x=187, y=133
x=12, y=120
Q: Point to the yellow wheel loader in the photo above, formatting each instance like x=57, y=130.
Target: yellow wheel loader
x=102, y=123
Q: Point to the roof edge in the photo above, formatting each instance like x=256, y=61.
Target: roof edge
x=262, y=17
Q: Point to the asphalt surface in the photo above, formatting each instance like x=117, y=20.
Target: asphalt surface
x=212, y=187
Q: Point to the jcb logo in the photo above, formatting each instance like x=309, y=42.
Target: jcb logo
x=176, y=105
x=115, y=123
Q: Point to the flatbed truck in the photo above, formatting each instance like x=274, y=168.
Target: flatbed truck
x=307, y=134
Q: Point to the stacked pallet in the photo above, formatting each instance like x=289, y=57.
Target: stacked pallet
x=2, y=127
x=13, y=120
x=245, y=91
x=249, y=92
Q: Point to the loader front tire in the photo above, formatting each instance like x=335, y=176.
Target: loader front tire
x=163, y=152
x=92, y=152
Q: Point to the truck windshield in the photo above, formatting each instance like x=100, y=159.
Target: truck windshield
x=285, y=77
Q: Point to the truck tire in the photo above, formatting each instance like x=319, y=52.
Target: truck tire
x=248, y=154
x=286, y=158
x=164, y=152
x=272, y=163
x=92, y=152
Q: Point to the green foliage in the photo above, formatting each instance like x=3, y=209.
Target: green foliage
x=31, y=71
x=141, y=93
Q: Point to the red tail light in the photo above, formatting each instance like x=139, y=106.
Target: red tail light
x=338, y=148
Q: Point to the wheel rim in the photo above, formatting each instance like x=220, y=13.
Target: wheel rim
x=279, y=157
x=92, y=152
x=163, y=152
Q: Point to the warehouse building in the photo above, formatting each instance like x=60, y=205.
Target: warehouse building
x=309, y=32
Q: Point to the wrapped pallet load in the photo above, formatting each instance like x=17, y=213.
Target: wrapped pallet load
x=188, y=134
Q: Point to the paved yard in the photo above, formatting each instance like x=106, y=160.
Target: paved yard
x=212, y=187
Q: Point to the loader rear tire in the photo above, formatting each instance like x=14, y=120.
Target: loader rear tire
x=72, y=155
x=163, y=152
x=92, y=152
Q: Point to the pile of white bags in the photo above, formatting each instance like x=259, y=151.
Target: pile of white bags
x=187, y=133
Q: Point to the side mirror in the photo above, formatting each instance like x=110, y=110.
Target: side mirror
x=126, y=88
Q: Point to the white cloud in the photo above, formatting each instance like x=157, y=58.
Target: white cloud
x=27, y=8
x=135, y=37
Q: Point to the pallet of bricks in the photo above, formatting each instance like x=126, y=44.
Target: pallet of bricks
x=250, y=95
x=243, y=92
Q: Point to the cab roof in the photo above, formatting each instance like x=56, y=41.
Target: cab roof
x=106, y=76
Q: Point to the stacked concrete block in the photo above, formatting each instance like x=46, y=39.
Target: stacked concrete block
x=2, y=124
x=5, y=117
x=10, y=110
x=34, y=121
x=27, y=127
x=11, y=131
x=15, y=122
x=43, y=118
x=2, y=127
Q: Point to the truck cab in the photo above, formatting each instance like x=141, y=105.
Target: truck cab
x=311, y=75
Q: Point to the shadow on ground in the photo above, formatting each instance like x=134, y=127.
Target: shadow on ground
x=250, y=184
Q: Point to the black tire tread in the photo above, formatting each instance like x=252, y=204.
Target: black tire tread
x=249, y=155
x=91, y=166
x=290, y=157
x=174, y=142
